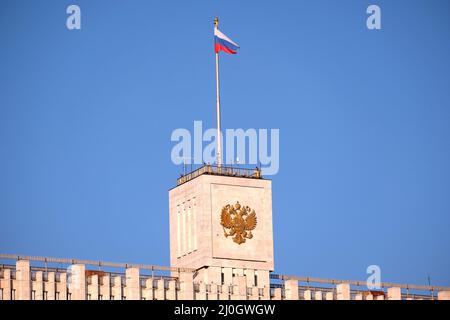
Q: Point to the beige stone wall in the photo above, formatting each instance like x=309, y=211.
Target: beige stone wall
x=24, y=283
x=197, y=239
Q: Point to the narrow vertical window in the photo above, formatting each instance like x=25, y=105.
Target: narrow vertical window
x=184, y=231
x=178, y=231
x=189, y=228
x=194, y=224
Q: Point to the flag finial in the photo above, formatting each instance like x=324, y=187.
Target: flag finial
x=216, y=22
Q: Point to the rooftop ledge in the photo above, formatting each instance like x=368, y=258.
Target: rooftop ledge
x=232, y=171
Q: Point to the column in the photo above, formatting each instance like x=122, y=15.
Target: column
x=224, y=293
x=358, y=296
x=212, y=275
x=291, y=288
x=105, y=287
x=159, y=292
x=263, y=278
x=228, y=276
x=49, y=286
x=187, y=285
x=132, y=283
x=117, y=288
x=394, y=293
x=212, y=295
x=240, y=288
x=61, y=286
x=254, y=293
x=266, y=293
x=201, y=294
x=92, y=288
x=307, y=295
x=147, y=292
x=23, y=280
x=250, y=276
x=444, y=295
x=318, y=295
x=343, y=291
x=38, y=286
x=6, y=284
x=77, y=283
x=330, y=296
x=277, y=294
x=171, y=293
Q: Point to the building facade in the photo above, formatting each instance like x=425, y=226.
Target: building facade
x=45, y=278
x=221, y=248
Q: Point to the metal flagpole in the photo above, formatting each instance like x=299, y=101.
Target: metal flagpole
x=219, y=140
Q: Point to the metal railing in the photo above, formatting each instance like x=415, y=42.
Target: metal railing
x=240, y=172
x=406, y=296
x=94, y=263
x=309, y=280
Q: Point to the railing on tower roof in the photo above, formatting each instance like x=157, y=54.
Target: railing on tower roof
x=230, y=171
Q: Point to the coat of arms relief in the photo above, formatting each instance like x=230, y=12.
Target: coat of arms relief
x=238, y=222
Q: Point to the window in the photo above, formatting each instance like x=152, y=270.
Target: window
x=57, y=296
x=13, y=294
x=1, y=294
x=256, y=280
x=111, y=298
x=89, y=296
x=45, y=295
x=222, y=278
x=100, y=297
x=69, y=296
x=33, y=295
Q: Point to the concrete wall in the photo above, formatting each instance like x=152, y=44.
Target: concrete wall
x=24, y=283
x=197, y=238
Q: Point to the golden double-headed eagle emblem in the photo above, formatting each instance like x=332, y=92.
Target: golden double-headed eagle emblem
x=238, y=222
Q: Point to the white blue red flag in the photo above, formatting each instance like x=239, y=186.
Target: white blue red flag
x=223, y=43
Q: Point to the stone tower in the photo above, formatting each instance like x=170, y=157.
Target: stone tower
x=213, y=229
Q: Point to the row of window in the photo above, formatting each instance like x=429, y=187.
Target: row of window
x=33, y=295
x=255, y=278
x=57, y=295
x=217, y=296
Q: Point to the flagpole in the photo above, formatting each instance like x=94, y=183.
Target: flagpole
x=219, y=140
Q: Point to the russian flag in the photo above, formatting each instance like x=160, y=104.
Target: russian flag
x=223, y=43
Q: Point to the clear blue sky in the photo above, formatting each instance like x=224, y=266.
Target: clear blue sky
x=364, y=119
